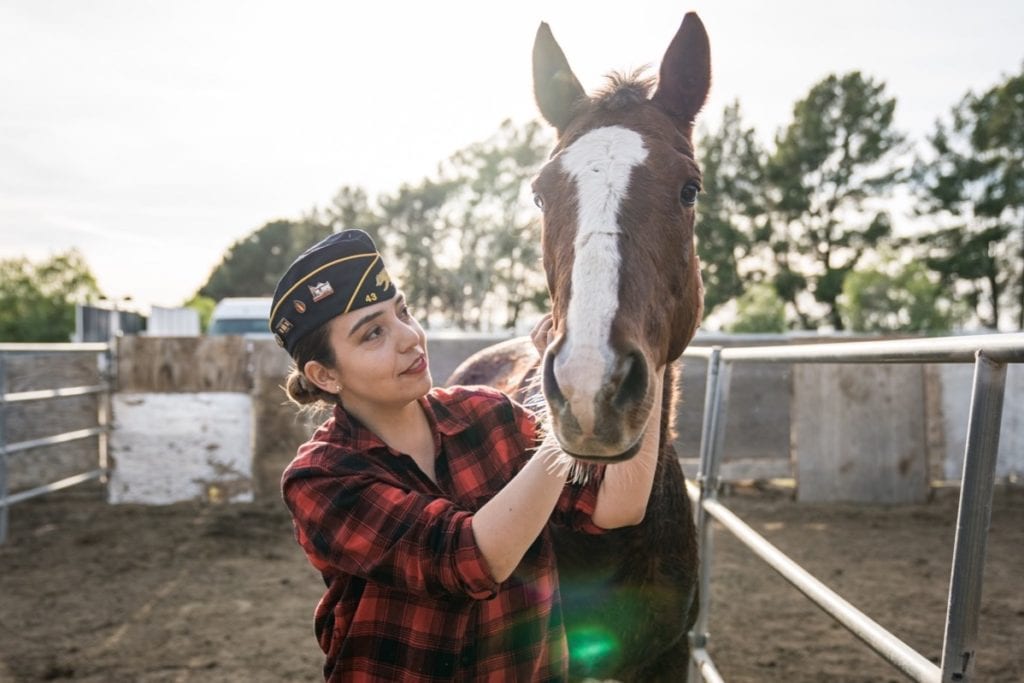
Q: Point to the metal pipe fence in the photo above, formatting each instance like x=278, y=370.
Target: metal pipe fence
x=990, y=355
x=105, y=364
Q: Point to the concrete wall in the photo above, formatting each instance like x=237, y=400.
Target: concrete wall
x=956, y=383
x=858, y=433
x=757, y=423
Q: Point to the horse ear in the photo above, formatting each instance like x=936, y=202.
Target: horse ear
x=554, y=84
x=685, y=76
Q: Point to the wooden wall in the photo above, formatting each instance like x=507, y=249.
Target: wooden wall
x=183, y=364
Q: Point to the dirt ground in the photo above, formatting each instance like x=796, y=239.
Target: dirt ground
x=192, y=592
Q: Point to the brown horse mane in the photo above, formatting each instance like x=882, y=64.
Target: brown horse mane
x=623, y=90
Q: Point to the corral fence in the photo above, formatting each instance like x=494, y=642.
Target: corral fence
x=990, y=355
x=12, y=397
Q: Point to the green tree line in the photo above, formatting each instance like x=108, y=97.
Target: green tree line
x=794, y=234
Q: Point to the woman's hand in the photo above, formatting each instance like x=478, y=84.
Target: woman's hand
x=626, y=489
x=543, y=334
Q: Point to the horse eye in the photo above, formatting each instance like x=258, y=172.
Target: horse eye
x=688, y=195
x=538, y=200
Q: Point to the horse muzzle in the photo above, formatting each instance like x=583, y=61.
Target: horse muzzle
x=598, y=409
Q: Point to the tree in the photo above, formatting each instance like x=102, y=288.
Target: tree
x=37, y=301
x=351, y=207
x=500, y=262
x=759, y=309
x=836, y=156
x=730, y=218
x=416, y=234
x=203, y=305
x=896, y=298
x=253, y=264
x=464, y=243
x=972, y=183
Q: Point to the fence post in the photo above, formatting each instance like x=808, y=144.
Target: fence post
x=107, y=362
x=716, y=401
x=3, y=449
x=973, y=519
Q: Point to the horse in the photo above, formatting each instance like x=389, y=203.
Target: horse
x=617, y=199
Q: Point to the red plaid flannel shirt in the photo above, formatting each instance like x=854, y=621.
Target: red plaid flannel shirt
x=409, y=597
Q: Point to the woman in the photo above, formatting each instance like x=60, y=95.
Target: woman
x=426, y=509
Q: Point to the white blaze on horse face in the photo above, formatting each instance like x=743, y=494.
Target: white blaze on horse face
x=600, y=164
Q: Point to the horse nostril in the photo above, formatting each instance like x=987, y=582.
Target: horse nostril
x=552, y=392
x=632, y=372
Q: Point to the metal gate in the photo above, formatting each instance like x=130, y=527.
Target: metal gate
x=103, y=353
x=990, y=355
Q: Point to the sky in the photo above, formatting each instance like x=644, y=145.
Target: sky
x=151, y=136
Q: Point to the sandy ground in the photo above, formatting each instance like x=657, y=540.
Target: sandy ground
x=192, y=592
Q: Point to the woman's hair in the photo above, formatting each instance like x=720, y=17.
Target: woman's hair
x=315, y=346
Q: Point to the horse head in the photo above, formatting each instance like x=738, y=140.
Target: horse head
x=618, y=196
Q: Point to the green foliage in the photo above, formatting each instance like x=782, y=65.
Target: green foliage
x=417, y=236
x=972, y=183
x=759, y=309
x=253, y=265
x=203, y=305
x=499, y=269
x=730, y=217
x=351, y=207
x=466, y=243
x=829, y=165
x=37, y=300
x=907, y=300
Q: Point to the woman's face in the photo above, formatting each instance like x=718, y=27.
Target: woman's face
x=381, y=356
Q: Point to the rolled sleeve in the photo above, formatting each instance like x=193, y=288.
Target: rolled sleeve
x=468, y=569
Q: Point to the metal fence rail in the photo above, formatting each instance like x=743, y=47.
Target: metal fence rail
x=990, y=354
x=101, y=429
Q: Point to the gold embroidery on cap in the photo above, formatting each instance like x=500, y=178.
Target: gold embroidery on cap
x=383, y=279
x=288, y=292
x=361, y=281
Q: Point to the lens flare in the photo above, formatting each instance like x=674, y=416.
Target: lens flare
x=592, y=647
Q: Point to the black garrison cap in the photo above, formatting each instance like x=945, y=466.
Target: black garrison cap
x=341, y=273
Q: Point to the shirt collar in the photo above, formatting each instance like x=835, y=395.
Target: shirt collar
x=440, y=416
